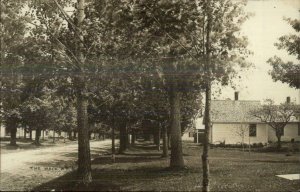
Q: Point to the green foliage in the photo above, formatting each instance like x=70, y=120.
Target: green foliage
x=134, y=52
x=13, y=29
x=288, y=72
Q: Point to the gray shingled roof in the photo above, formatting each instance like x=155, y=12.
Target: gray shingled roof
x=228, y=111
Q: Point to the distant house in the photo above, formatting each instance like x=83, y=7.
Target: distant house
x=233, y=123
x=3, y=131
x=188, y=134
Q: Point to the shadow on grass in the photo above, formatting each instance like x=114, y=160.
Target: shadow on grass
x=24, y=146
x=69, y=182
x=59, y=164
x=277, y=161
x=93, y=153
x=110, y=179
x=106, y=159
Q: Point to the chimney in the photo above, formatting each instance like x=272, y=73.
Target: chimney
x=288, y=100
x=236, y=96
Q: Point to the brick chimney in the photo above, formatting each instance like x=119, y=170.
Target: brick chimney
x=288, y=100
x=236, y=96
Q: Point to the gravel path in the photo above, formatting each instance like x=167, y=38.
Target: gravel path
x=28, y=169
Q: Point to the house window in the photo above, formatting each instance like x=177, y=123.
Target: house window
x=191, y=134
x=252, y=130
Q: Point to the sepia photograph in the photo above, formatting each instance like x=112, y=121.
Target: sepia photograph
x=150, y=95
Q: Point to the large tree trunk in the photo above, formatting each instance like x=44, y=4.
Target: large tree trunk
x=75, y=135
x=53, y=139
x=84, y=158
x=205, y=160
x=12, y=126
x=165, y=141
x=176, y=143
x=133, y=137
x=37, y=137
x=123, y=139
x=113, y=144
x=30, y=133
x=24, y=133
x=158, y=137
x=70, y=135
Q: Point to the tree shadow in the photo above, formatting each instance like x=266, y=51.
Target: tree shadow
x=70, y=182
x=278, y=161
x=63, y=165
x=106, y=159
x=110, y=179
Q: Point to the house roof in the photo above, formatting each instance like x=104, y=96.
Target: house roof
x=228, y=111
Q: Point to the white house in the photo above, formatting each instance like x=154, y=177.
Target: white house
x=233, y=123
x=188, y=134
x=2, y=130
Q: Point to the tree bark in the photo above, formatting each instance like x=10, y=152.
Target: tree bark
x=123, y=139
x=205, y=160
x=113, y=144
x=278, y=142
x=12, y=125
x=53, y=139
x=24, y=133
x=70, y=135
x=165, y=141
x=176, y=143
x=75, y=135
x=169, y=141
x=84, y=158
x=30, y=133
x=158, y=137
x=133, y=137
x=37, y=137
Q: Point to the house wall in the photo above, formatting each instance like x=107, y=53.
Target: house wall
x=290, y=132
x=232, y=133
x=185, y=137
x=2, y=131
x=20, y=132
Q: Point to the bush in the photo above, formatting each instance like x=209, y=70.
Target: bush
x=274, y=149
x=238, y=145
x=257, y=145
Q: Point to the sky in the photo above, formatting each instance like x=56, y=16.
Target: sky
x=263, y=30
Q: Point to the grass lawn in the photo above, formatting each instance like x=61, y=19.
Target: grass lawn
x=27, y=144
x=142, y=169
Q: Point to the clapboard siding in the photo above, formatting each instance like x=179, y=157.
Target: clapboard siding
x=230, y=133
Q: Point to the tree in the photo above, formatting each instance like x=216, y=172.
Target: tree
x=276, y=116
x=224, y=52
x=13, y=29
x=241, y=132
x=288, y=72
x=36, y=113
x=165, y=26
x=67, y=49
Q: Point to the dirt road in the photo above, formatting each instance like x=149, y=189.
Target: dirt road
x=27, y=169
